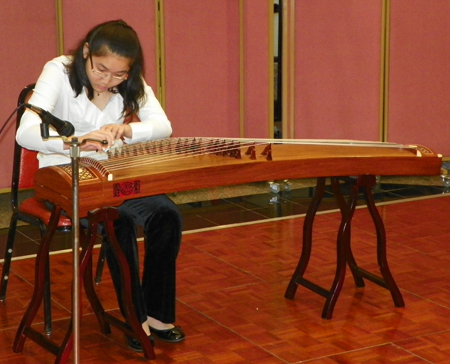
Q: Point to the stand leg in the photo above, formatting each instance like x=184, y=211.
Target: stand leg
x=86, y=263
x=297, y=277
x=344, y=251
x=389, y=281
x=343, y=246
x=84, y=259
x=344, y=208
x=66, y=346
x=132, y=326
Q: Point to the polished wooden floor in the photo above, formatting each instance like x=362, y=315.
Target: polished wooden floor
x=231, y=283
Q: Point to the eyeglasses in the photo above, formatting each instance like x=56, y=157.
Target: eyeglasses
x=106, y=75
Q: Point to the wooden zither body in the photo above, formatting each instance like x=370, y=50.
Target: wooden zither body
x=181, y=164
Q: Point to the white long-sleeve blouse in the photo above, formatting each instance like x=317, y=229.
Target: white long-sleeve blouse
x=54, y=94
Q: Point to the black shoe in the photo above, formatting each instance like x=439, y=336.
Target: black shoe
x=135, y=344
x=173, y=335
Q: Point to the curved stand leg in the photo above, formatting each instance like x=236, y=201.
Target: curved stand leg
x=343, y=246
x=344, y=251
x=66, y=346
x=389, y=281
x=297, y=277
x=132, y=326
x=344, y=208
x=86, y=264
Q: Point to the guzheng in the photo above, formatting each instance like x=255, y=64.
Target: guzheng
x=181, y=164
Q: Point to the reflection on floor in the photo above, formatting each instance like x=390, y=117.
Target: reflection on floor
x=237, y=257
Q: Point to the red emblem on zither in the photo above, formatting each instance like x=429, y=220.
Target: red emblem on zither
x=128, y=188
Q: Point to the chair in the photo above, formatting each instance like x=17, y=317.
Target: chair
x=29, y=211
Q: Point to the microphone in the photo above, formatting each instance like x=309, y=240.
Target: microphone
x=63, y=128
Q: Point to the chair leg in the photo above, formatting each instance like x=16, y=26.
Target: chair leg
x=47, y=300
x=47, y=288
x=8, y=256
x=7, y=266
x=25, y=329
x=100, y=265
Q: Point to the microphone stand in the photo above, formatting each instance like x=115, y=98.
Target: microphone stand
x=76, y=290
x=74, y=153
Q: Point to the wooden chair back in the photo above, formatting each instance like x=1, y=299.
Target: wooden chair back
x=25, y=162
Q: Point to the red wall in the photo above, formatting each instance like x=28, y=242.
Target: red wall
x=202, y=67
x=419, y=91
x=27, y=41
x=336, y=76
x=337, y=69
x=80, y=16
x=258, y=59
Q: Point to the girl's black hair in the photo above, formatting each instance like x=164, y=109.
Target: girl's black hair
x=118, y=38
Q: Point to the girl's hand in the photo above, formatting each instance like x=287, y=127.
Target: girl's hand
x=118, y=130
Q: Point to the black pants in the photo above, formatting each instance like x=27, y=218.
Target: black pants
x=161, y=220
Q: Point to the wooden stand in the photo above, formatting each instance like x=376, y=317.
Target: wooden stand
x=344, y=251
x=131, y=327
